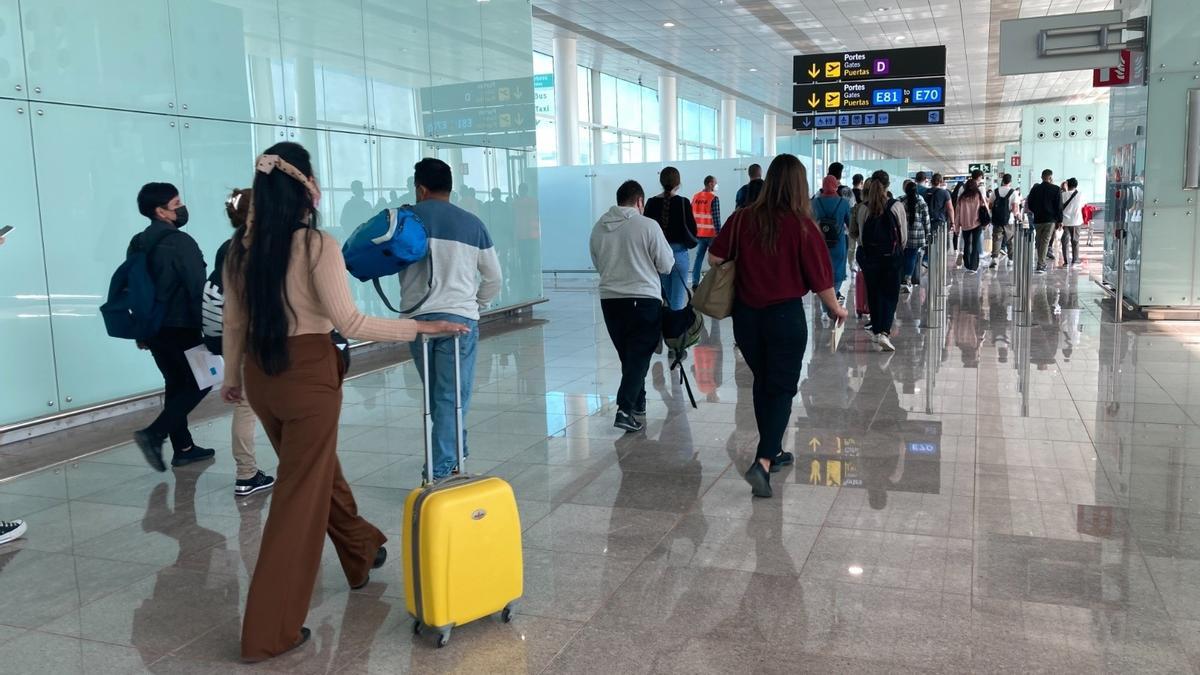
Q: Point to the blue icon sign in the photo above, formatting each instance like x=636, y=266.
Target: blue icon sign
x=883, y=118
x=825, y=121
x=869, y=119
x=856, y=120
x=887, y=97
x=935, y=116
x=927, y=95
x=843, y=120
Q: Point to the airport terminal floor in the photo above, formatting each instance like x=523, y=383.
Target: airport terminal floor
x=988, y=498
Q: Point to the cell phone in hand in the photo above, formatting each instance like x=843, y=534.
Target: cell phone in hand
x=5, y=230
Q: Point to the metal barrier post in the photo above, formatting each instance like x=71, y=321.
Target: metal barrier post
x=1119, y=308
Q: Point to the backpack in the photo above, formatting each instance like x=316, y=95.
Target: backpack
x=385, y=245
x=1002, y=208
x=880, y=236
x=212, y=305
x=132, y=310
x=830, y=223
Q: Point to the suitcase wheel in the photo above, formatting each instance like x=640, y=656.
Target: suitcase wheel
x=416, y=627
x=443, y=638
x=506, y=615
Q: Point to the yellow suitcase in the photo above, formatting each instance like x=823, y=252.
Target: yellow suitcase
x=460, y=540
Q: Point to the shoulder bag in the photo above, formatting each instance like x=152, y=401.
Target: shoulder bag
x=714, y=297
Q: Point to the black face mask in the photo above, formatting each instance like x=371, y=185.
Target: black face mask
x=181, y=216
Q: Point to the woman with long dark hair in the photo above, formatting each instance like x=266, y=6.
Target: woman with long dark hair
x=917, y=212
x=286, y=291
x=971, y=205
x=674, y=214
x=882, y=228
x=781, y=257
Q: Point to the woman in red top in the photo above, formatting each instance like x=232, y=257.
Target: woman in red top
x=781, y=256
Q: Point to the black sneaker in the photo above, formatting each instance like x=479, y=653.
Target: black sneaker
x=628, y=422
x=639, y=408
x=151, y=448
x=256, y=483
x=759, y=480
x=192, y=455
x=11, y=530
x=781, y=460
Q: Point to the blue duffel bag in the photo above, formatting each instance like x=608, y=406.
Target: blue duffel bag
x=385, y=245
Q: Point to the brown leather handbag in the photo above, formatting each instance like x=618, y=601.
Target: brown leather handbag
x=715, y=294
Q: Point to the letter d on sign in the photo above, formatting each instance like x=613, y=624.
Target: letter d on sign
x=881, y=67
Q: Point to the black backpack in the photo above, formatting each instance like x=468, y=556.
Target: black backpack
x=829, y=222
x=880, y=236
x=1002, y=208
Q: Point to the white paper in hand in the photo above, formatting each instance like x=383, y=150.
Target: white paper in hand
x=207, y=368
x=838, y=328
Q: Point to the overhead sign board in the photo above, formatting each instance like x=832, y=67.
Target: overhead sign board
x=1020, y=53
x=911, y=93
x=869, y=120
x=985, y=167
x=869, y=65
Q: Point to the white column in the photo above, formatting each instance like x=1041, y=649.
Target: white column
x=728, y=128
x=770, y=143
x=566, y=100
x=668, y=115
x=597, y=135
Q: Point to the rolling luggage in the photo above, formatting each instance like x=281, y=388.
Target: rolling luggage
x=860, y=294
x=460, y=539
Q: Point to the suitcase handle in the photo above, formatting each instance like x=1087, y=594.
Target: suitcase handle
x=428, y=408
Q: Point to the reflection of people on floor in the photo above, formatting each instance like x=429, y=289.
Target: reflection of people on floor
x=1043, y=346
x=881, y=458
x=357, y=209
x=997, y=319
x=965, y=324
x=708, y=361
x=1072, y=318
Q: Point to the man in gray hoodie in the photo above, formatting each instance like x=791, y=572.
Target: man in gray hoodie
x=630, y=252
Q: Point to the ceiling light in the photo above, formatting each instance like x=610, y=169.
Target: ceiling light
x=883, y=9
x=899, y=38
x=754, y=70
x=668, y=24
x=855, y=570
x=714, y=49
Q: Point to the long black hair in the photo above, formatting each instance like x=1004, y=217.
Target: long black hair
x=262, y=252
x=910, y=200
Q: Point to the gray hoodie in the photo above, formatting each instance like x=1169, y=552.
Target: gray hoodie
x=629, y=251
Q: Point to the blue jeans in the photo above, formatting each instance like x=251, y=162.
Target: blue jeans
x=837, y=255
x=701, y=253
x=912, y=265
x=673, y=284
x=441, y=392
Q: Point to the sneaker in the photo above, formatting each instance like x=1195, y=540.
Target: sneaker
x=151, y=448
x=885, y=342
x=1040, y=270
x=759, y=480
x=781, y=460
x=11, y=530
x=992, y=266
x=256, y=483
x=639, y=409
x=192, y=455
x=906, y=289
x=971, y=271
x=628, y=422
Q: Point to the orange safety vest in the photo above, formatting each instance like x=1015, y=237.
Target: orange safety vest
x=702, y=209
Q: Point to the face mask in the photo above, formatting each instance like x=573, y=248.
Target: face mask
x=716, y=187
x=181, y=216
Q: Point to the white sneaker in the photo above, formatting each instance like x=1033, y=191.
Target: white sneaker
x=885, y=342
x=906, y=289
x=11, y=530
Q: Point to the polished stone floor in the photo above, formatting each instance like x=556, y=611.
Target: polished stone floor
x=987, y=499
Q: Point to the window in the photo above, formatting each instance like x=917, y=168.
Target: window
x=697, y=129
x=745, y=132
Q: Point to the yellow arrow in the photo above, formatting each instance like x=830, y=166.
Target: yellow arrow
x=813, y=101
x=814, y=444
x=813, y=71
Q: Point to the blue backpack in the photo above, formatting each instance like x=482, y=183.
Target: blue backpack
x=385, y=245
x=133, y=310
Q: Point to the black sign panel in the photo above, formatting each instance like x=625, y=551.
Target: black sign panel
x=841, y=96
x=869, y=119
x=985, y=167
x=477, y=94
x=870, y=65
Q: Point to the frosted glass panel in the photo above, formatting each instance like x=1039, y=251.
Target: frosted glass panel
x=397, y=53
x=12, y=53
x=27, y=370
x=115, y=53
x=87, y=227
x=324, y=63
x=227, y=55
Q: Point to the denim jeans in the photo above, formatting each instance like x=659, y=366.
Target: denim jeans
x=772, y=340
x=441, y=391
x=837, y=256
x=972, y=247
x=701, y=252
x=674, y=283
x=912, y=265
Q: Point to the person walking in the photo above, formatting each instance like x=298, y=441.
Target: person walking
x=249, y=479
x=11, y=530
x=917, y=213
x=781, y=257
x=630, y=251
x=940, y=203
x=881, y=226
x=832, y=214
x=178, y=270
x=748, y=193
x=706, y=207
x=844, y=191
x=1072, y=220
x=969, y=223
x=1045, y=205
x=287, y=290
x=1004, y=206
x=674, y=215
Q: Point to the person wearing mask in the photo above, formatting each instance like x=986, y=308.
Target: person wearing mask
x=881, y=226
x=706, y=207
x=1072, y=220
x=466, y=278
x=748, y=193
x=11, y=530
x=674, y=215
x=287, y=290
x=249, y=479
x=629, y=252
x=1004, y=204
x=916, y=211
x=833, y=212
x=1045, y=205
x=781, y=258
x=967, y=213
x=178, y=270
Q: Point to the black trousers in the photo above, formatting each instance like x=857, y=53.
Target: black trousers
x=635, y=326
x=181, y=396
x=883, y=291
x=772, y=341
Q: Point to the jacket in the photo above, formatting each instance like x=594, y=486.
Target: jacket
x=179, y=272
x=1044, y=201
x=1072, y=209
x=966, y=212
x=748, y=193
x=832, y=205
x=466, y=269
x=918, y=224
x=679, y=223
x=629, y=251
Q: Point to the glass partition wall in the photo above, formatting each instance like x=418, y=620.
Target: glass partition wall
x=98, y=98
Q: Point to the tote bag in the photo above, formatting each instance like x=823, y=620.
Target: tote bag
x=714, y=297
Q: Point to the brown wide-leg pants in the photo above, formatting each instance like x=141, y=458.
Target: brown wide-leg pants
x=299, y=410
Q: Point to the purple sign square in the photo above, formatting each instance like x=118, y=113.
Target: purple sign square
x=881, y=67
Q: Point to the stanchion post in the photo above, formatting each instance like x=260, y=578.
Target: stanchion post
x=1119, y=307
